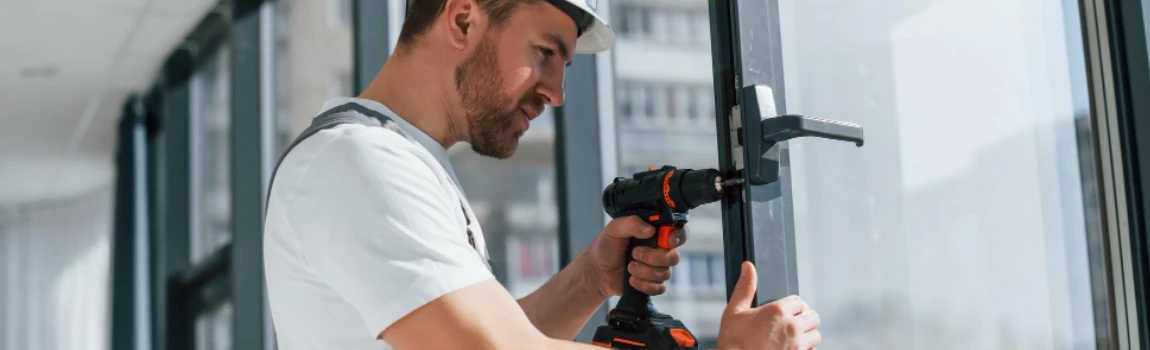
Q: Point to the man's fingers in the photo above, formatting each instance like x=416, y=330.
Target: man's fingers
x=650, y=273
x=791, y=305
x=679, y=236
x=651, y=288
x=656, y=256
x=629, y=226
x=808, y=320
x=745, y=288
x=813, y=339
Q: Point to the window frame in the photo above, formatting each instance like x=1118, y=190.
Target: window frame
x=1115, y=42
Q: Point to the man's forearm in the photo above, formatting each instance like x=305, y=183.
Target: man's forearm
x=562, y=306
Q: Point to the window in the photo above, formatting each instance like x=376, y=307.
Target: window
x=681, y=23
x=660, y=26
x=625, y=98
x=313, y=63
x=702, y=28
x=514, y=200
x=211, y=157
x=646, y=24
x=646, y=96
x=704, y=108
x=681, y=101
x=626, y=22
x=702, y=271
x=340, y=85
x=339, y=14
x=662, y=23
x=214, y=329
x=970, y=189
x=652, y=130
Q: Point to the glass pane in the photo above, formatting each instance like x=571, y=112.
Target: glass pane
x=964, y=221
x=214, y=329
x=55, y=264
x=211, y=185
x=663, y=114
x=514, y=200
x=313, y=61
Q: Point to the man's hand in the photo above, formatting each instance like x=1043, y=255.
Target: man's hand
x=651, y=268
x=786, y=324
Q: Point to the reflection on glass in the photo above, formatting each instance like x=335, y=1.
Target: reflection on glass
x=211, y=185
x=214, y=329
x=664, y=115
x=514, y=200
x=964, y=221
x=313, y=61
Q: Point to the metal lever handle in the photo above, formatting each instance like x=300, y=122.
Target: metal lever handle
x=763, y=130
x=782, y=128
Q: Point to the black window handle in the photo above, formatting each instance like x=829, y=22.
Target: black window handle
x=758, y=110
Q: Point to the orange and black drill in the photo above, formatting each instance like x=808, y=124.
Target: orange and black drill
x=661, y=197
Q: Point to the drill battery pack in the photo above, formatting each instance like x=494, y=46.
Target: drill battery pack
x=658, y=332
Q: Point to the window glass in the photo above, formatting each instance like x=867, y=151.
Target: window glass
x=211, y=163
x=313, y=61
x=214, y=329
x=514, y=200
x=663, y=118
x=964, y=221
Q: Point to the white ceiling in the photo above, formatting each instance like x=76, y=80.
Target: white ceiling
x=66, y=67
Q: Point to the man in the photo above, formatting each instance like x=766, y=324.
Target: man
x=371, y=244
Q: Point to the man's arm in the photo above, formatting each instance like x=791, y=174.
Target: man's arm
x=563, y=305
x=480, y=316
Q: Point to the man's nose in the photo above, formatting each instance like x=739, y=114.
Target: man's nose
x=550, y=89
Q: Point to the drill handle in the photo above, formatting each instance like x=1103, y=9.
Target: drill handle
x=632, y=298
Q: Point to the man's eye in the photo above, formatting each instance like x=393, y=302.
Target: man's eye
x=547, y=52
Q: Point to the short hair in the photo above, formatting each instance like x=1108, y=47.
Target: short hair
x=422, y=13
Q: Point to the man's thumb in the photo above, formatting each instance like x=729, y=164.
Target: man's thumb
x=745, y=288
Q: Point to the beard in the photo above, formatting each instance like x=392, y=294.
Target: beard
x=491, y=124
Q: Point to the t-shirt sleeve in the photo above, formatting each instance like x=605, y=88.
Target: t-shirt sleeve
x=380, y=229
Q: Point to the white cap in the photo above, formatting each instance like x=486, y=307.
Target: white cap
x=597, y=37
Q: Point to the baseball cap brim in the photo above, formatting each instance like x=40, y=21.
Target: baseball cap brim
x=598, y=37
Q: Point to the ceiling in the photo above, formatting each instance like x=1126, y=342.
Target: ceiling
x=66, y=67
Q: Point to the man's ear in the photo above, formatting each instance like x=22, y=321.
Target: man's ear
x=463, y=22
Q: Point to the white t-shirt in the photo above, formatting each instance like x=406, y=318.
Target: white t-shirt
x=364, y=225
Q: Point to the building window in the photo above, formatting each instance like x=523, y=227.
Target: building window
x=702, y=31
x=625, y=24
x=681, y=27
x=624, y=98
x=339, y=85
x=339, y=14
x=704, y=107
x=645, y=21
x=688, y=27
x=682, y=99
x=701, y=268
x=537, y=257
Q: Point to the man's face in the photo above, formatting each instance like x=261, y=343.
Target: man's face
x=512, y=73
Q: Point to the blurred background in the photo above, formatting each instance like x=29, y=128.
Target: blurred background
x=135, y=136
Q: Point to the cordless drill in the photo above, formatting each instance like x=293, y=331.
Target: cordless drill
x=662, y=198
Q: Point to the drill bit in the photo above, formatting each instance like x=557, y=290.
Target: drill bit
x=733, y=182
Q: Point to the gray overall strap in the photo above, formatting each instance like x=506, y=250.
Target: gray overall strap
x=349, y=113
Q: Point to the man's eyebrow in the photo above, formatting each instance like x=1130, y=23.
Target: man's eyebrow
x=559, y=45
